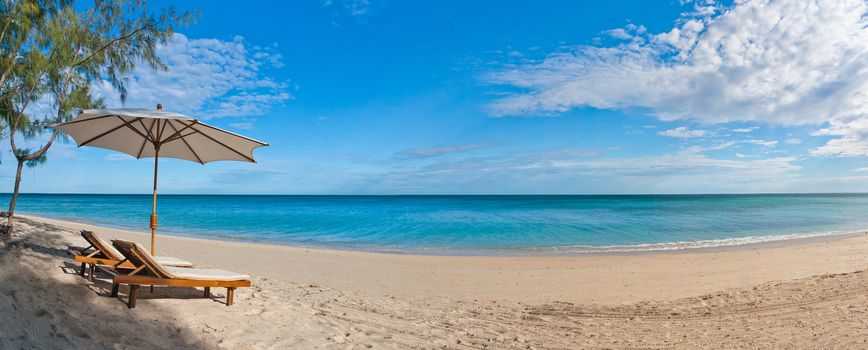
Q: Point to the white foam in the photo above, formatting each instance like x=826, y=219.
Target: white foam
x=701, y=244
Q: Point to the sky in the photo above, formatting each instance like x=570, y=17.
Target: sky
x=507, y=97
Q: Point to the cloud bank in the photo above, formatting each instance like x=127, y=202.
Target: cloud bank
x=683, y=132
x=430, y=152
x=582, y=171
x=207, y=78
x=766, y=61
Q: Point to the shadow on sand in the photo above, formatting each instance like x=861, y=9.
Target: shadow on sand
x=44, y=304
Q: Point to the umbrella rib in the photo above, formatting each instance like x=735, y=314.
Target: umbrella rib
x=150, y=136
x=129, y=124
x=105, y=133
x=177, y=133
x=162, y=130
x=185, y=141
x=142, y=147
x=144, y=139
x=147, y=130
x=221, y=143
x=178, y=137
x=234, y=134
x=86, y=120
x=155, y=125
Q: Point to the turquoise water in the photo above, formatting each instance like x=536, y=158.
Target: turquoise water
x=467, y=223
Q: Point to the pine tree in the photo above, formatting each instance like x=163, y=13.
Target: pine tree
x=52, y=51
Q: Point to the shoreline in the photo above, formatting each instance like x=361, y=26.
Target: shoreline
x=770, y=297
x=713, y=245
x=597, y=279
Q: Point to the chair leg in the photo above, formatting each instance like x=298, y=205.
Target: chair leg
x=152, y=288
x=92, y=271
x=207, y=292
x=115, y=288
x=83, y=269
x=230, y=296
x=134, y=293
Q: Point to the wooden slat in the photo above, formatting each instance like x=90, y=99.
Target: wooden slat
x=108, y=263
x=122, y=279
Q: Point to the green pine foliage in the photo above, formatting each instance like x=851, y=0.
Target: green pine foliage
x=52, y=51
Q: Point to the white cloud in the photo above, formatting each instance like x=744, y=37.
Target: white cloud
x=771, y=61
x=745, y=130
x=355, y=8
x=242, y=125
x=61, y=150
x=581, y=171
x=860, y=170
x=207, y=78
x=430, y=152
x=619, y=33
x=793, y=141
x=717, y=147
x=684, y=133
x=766, y=143
x=731, y=144
x=118, y=156
x=852, y=138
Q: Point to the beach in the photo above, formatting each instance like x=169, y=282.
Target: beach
x=801, y=294
x=374, y=174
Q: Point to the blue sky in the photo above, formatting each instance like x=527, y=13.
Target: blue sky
x=449, y=97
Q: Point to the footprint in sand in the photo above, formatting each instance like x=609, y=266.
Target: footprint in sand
x=256, y=312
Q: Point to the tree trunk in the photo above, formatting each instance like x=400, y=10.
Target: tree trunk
x=15, y=193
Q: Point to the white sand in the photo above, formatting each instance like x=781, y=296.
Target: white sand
x=306, y=298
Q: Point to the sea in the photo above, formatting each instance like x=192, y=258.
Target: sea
x=471, y=224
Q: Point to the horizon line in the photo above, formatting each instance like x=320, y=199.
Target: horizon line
x=447, y=194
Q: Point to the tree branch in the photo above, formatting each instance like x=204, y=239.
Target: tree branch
x=116, y=40
x=62, y=93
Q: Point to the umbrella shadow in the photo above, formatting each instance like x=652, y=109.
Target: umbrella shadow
x=41, y=243
x=44, y=309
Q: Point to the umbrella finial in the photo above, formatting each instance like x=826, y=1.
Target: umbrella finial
x=159, y=106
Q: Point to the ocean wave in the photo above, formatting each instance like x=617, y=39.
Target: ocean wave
x=699, y=244
x=710, y=244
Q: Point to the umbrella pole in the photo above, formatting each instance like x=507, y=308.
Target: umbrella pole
x=154, y=207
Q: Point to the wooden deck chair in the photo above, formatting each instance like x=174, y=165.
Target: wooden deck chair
x=105, y=255
x=147, y=271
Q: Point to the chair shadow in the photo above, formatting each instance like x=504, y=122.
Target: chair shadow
x=102, y=286
x=49, y=310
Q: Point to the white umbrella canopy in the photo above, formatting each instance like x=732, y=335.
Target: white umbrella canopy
x=146, y=133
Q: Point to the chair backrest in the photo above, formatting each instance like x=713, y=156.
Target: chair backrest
x=104, y=248
x=138, y=256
